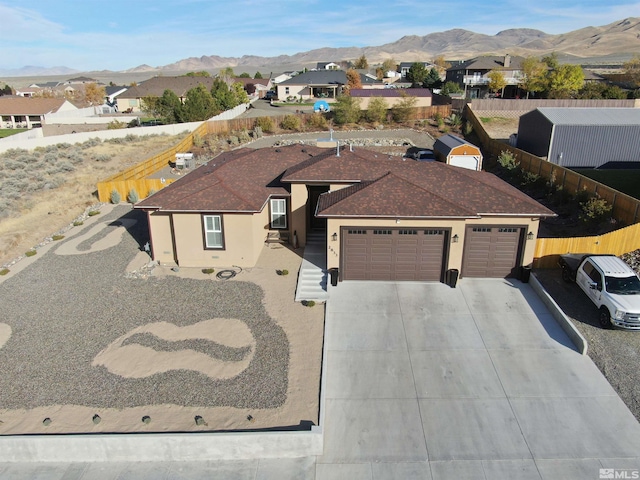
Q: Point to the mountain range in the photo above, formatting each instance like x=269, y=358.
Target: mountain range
x=618, y=39
x=612, y=43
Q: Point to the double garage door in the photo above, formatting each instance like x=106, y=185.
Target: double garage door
x=420, y=254
x=393, y=254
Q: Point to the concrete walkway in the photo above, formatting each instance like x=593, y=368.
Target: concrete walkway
x=312, y=277
x=428, y=382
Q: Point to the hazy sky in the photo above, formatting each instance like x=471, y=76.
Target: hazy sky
x=118, y=34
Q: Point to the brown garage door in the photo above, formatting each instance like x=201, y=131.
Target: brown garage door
x=491, y=251
x=393, y=254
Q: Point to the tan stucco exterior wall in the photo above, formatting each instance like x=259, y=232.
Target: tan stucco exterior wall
x=161, y=240
x=294, y=91
x=298, y=215
x=244, y=236
x=458, y=227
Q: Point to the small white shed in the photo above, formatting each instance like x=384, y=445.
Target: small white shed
x=458, y=152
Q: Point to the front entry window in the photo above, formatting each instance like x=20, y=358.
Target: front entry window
x=278, y=213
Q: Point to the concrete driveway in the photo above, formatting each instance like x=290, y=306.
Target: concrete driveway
x=424, y=381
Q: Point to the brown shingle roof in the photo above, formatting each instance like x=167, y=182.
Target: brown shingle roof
x=382, y=186
x=29, y=105
x=239, y=181
x=157, y=85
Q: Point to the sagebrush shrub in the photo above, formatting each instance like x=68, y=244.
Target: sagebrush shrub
x=132, y=196
x=266, y=124
x=114, y=197
x=291, y=122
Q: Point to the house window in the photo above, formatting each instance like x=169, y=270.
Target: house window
x=213, y=231
x=278, y=213
x=286, y=90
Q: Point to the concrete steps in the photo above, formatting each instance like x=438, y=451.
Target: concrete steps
x=312, y=278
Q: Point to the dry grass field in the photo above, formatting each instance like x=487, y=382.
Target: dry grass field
x=43, y=191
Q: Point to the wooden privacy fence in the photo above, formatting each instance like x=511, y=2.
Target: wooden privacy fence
x=621, y=241
x=135, y=177
x=626, y=209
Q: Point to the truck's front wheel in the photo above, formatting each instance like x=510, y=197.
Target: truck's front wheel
x=566, y=276
x=604, y=318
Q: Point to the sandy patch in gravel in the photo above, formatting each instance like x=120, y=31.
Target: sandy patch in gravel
x=5, y=333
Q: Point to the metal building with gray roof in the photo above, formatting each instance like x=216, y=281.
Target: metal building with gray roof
x=581, y=137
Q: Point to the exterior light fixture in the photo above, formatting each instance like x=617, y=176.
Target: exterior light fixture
x=530, y=236
x=334, y=237
x=455, y=238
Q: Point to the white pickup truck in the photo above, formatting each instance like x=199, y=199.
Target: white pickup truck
x=609, y=283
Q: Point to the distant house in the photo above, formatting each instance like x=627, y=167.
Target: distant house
x=79, y=80
x=255, y=86
x=473, y=75
x=403, y=67
x=21, y=112
x=327, y=66
x=581, y=137
x=131, y=99
x=280, y=78
x=319, y=84
x=456, y=151
x=392, y=96
x=111, y=92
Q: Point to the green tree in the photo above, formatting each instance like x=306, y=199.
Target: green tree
x=199, y=105
x=497, y=82
x=6, y=90
x=169, y=107
x=403, y=110
x=613, y=92
x=222, y=94
x=346, y=109
x=632, y=70
x=551, y=61
x=599, y=90
x=451, y=87
x=201, y=73
x=361, y=63
x=258, y=75
x=239, y=93
x=227, y=75
x=377, y=110
x=432, y=80
x=534, y=75
x=244, y=75
x=416, y=74
x=565, y=81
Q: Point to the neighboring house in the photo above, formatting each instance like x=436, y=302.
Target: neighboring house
x=319, y=84
x=280, y=78
x=131, y=99
x=111, y=93
x=80, y=80
x=392, y=96
x=581, y=137
x=327, y=66
x=403, y=67
x=21, y=112
x=27, y=92
x=472, y=75
x=456, y=151
x=384, y=218
x=260, y=85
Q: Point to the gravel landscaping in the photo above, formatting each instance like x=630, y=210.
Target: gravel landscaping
x=65, y=309
x=615, y=352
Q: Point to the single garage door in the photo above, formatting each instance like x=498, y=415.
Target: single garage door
x=491, y=251
x=393, y=254
x=465, y=161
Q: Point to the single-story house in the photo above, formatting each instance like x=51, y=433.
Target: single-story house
x=319, y=84
x=260, y=85
x=581, y=137
x=384, y=218
x=456, y=151
x=327, y=66
x=29, y=112
x=155, y=87
x=280, y=78
x=392, y=96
